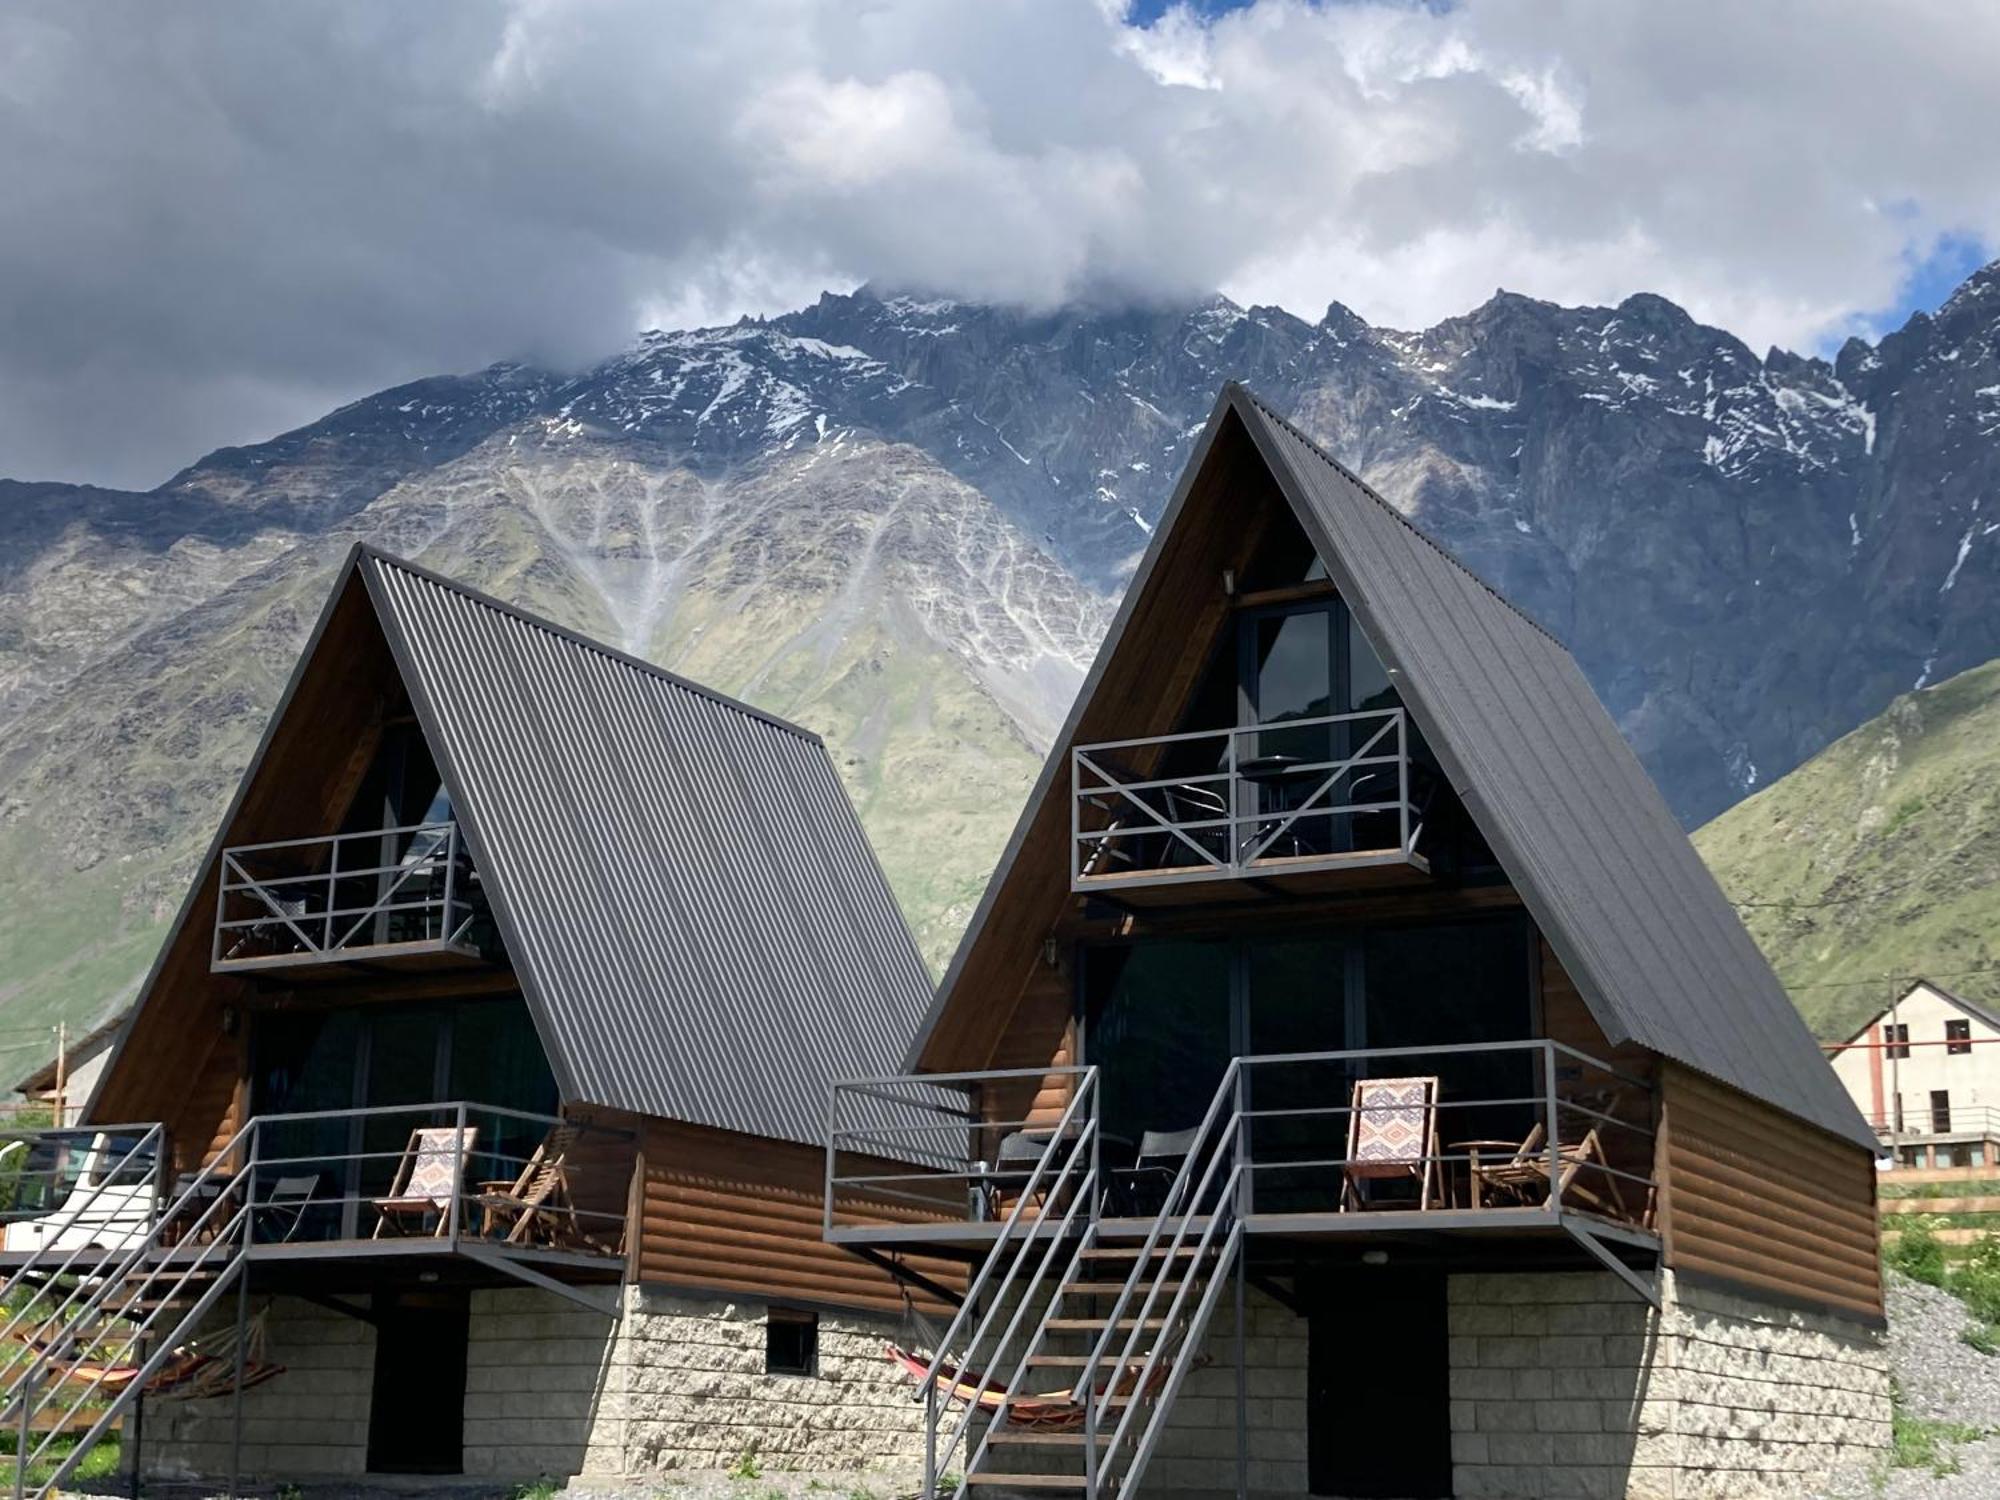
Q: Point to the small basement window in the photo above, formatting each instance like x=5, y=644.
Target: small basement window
x=791, y=1342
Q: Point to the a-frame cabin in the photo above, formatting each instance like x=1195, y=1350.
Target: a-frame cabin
x=481, y=1084
x=1354, y=1083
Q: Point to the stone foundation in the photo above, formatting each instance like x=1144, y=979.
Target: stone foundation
x=1565, y=1387
x=554, y=1389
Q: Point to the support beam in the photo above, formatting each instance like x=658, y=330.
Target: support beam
x=1646, y=1287
x=507, y=1265
x=905, y=1275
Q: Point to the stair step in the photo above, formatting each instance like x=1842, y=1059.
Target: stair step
x=1028, y=1438
x=1133, y=1252
x=1028, y=1481
x=1078, y=1361
x=1097, y=1325
x=1094, y=1288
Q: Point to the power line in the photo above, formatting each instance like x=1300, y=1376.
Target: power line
x=1909, y=978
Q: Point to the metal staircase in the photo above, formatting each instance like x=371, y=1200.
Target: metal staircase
x=126, y=1307
x=1114, y=1313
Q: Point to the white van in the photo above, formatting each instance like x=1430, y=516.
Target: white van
x=72, y=1195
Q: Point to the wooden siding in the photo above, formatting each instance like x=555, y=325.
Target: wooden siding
x=1756, y=1197
x=737, y=1213
x=1143, y=690
x=301, y=788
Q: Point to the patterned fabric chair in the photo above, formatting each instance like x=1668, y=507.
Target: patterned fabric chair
x=1391, y=1134
x=426, y=1178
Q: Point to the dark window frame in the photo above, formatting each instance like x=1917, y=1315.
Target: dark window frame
x=1957, y=1037
x=791, y=1343
x=1896, y=1038
x=1940, y=1111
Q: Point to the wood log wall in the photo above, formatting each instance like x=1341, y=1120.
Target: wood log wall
x=1758, y=1198
x=738, y=1213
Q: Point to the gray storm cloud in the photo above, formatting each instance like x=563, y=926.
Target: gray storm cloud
x=217, y=220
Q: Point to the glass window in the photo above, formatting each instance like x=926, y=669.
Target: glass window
x=1957, y=1037
x=1898, y=1038
x=1940, y=1112
x=1160, y=1029
x=791, y=1342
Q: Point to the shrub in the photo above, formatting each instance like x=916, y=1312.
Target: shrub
x=746, y=1465
x=1916, y=1251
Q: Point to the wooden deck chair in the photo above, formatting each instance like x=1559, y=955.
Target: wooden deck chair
x=1391, y=1133
x=1583, y=1176
x=426, y=1177
x=537, y=1202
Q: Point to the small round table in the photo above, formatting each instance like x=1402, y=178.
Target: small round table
x=1470, y=1151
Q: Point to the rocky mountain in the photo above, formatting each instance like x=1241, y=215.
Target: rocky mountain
x=1878, y=857
x=901, y=520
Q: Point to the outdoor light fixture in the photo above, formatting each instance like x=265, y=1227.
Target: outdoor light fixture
x=1374, y=1257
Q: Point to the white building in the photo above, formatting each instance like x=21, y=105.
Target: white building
x=1926, y=1073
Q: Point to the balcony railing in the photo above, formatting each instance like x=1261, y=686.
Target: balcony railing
x=1500, y=1128
x=1291, y=796
x=316, y=899
x=457, y=1176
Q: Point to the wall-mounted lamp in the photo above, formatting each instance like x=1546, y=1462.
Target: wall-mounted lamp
x=231, y=1020
x=1374, y=1257
x=1051, y=953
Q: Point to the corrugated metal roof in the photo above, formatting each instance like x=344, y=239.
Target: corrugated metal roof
x=697, y=920
x=1637, y=919
x=1652, y=944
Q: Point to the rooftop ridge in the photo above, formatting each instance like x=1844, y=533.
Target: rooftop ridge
x=1414, y=529
x=534, y=621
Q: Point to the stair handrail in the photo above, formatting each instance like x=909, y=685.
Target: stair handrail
x=1086, y=1194
x=1228, y=1090
x=243, y=1217
x=156, y=1136
x=1086, y=1088
x=27, y=1405
x=30, y=1405
x=1171, y=1327
x=146, y=1244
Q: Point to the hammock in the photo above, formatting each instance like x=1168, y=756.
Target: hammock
x=1051, y=1410
x=189, y=1374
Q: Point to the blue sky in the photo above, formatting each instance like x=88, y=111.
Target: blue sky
x=1935, y=276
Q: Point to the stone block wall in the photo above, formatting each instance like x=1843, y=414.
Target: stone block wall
x=554, y=1389
x=310, y=1422
x=1197, y=1450
x=1566, y=1387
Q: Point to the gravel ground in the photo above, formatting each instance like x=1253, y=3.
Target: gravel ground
x=692, y=1484
x=1940, y=1378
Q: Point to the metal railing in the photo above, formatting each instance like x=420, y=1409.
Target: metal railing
x=65, y=1187
x=460, y=1172
x=1533, y=1130
x=300, y=899
x=1340, y=787
x=1922, y=1123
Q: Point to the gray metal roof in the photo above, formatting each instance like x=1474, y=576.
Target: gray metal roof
x=697, y=921
x=1640, y=925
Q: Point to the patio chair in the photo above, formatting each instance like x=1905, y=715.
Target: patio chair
x=426, y=1178
x=1391, y=1134
x=284, y=1206
x=1582, y=1176
x=1150, y=1178
x=535, y=1207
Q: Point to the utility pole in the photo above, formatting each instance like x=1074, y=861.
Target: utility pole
x=62, y=1073
x=1895, y=1075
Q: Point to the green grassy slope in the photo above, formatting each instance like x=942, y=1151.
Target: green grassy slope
x=1879, y=858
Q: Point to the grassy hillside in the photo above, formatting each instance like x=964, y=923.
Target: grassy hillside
x=1879, y=857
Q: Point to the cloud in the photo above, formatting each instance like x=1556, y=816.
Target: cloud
x=222, y=219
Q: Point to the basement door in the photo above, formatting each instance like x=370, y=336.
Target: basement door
x=416, y=1409
x=1378, y=1386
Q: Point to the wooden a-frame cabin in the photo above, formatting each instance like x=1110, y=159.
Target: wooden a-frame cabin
x=1352, y=1083
x=479, y=1088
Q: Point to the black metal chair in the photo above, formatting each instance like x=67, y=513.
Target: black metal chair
x=1162, y=1153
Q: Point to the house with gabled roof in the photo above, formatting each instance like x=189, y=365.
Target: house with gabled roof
x=470, y=1119
x=1925, y=1071
x=1351, y=1082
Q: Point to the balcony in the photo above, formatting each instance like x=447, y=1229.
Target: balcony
x=489, y=1188
x=1494, y=1152
x=401, y=897
x=1296, y=806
